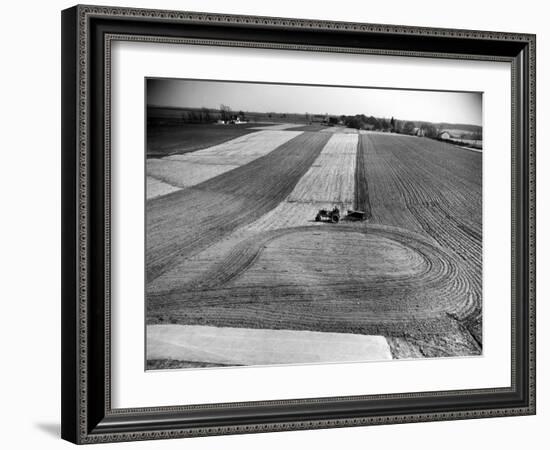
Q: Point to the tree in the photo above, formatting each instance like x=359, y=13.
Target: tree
x=225, y=112
x=408, y=128
x=430, y=131
x=205, y=116
x=374, y=122
x=354, y=122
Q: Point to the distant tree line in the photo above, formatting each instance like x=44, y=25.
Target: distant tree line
x=174, y=116
x=419, y=128
x=157, y=115
x=363, y=122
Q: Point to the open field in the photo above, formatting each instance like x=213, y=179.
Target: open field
x=179, y=171
x=157, y=188
x=187, y=221
x=340, y=129
x=241, y=249
x=278, y=126
x=340, y=278
x=170, y=140
x=329, y=180
x=311, y=127
x=434, y=189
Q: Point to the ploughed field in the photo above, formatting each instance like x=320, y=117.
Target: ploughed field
x=183, y=223
x=240, y=247
x=166, y=140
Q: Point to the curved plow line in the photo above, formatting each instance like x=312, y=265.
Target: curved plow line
x=439, y=270
x=445, y=205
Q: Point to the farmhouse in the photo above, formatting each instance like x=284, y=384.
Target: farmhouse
x=447, y=136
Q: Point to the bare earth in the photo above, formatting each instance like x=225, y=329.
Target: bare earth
x=178, y=171
x=241, y=250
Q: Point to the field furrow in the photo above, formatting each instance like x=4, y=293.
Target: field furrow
x=185, y=222
x=164, y=140
x=330, y=180
x=280, y=126
x=157, y=188
x=361, y=199
x=433, y=189
x=340, y=130
x=242, y=249
x=338, y=278
x=193, y=168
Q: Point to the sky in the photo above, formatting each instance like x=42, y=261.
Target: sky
x=429, y=106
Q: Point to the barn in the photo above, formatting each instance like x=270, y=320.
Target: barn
x=447, y=136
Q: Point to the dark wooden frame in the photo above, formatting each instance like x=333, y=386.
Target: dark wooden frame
x=87, y=32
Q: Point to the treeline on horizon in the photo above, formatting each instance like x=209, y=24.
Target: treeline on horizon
x=423, y=128
x=166, y=115
x=162, y=115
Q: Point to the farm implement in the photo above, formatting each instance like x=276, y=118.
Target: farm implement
x=333, y=216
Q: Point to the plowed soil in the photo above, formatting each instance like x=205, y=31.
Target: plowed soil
x=170, y=140
x=372, y=280
x=279, y=126
x=243, y=250
x=431, y=188
x=183, y=223
x=186, y=170
x=330, y=180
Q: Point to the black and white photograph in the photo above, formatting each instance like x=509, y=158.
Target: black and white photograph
x=300, y=224
x=275, y=225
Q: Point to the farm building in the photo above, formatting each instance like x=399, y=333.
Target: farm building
x=447, y=136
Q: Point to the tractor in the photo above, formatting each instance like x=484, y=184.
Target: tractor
x=326, y=215
x=333, y=216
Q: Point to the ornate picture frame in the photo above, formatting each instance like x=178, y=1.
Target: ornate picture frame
x=88, y=33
